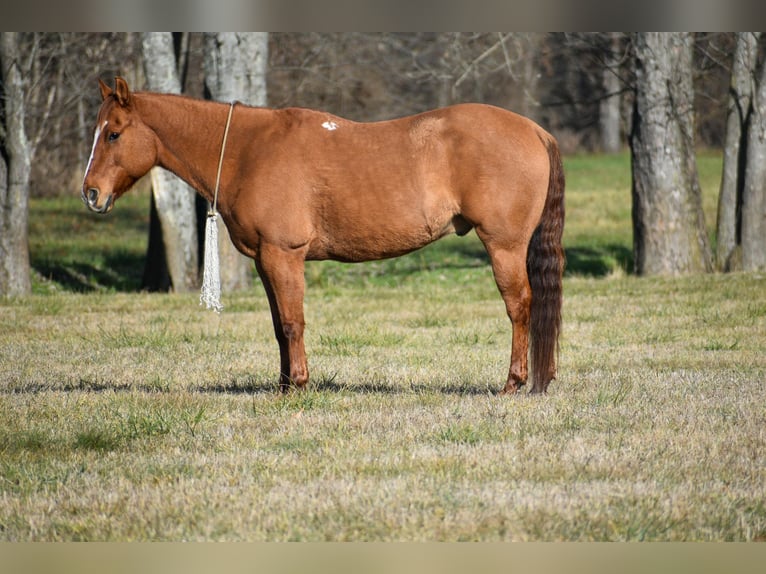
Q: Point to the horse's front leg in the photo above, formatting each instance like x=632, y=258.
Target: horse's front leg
x=281, y=271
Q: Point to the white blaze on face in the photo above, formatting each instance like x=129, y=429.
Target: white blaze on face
x=93, y=149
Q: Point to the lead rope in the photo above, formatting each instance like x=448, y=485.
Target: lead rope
x=210, y=294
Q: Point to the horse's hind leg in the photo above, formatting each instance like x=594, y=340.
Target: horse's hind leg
x=509, y=266
x=282, y=275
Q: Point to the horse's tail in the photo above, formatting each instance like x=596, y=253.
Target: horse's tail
x=545, y=267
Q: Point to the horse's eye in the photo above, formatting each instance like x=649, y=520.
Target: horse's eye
x=113, y=136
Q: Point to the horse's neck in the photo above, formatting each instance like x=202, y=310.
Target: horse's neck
x=190, y=133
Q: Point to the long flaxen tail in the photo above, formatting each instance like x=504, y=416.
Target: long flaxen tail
x=545, y=267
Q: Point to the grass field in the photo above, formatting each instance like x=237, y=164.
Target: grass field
x=134, y=416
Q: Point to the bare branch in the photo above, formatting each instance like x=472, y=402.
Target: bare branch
x=43, y=125
x=483, y=56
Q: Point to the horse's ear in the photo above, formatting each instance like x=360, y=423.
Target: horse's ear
x=106, y=91
x=121, y=91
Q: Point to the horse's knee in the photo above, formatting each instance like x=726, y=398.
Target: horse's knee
x=292, y=330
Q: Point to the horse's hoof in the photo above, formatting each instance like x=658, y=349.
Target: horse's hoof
x=511, y=388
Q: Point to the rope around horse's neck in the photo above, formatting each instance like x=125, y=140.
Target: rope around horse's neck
x=220, y=159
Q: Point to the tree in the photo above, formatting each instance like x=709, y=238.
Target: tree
x=174, y=199
x=741, y=223
x=738, y=120
x=669, y=234
x=15, y=167
x=235, y=69
x=610, y=104
x=754, y=193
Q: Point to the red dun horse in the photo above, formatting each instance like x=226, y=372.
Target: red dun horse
x=300, y=185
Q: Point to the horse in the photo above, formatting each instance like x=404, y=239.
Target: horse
x=299, y=184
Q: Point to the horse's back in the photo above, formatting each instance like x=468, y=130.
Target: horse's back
x=485, y=121
x=364, y=191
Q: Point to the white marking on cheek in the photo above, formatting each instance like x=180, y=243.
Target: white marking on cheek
x=93, y=149
x=330, y=126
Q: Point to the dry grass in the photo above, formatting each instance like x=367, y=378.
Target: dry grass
x=129, y=416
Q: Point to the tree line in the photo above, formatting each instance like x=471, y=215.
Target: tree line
x=661, y=94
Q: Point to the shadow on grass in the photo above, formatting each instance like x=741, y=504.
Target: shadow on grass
x=591, y=261
x=598, y=261
x=383, y=388
x=330, y=385
x=250, y=386
x=119, y=272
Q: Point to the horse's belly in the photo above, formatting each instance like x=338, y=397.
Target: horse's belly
x=380, y=241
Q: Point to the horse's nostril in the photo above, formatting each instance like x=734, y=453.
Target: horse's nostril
x=92, y=195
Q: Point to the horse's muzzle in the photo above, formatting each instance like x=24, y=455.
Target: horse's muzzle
x=90, y=198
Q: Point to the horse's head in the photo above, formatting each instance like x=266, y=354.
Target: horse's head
x=124, y=149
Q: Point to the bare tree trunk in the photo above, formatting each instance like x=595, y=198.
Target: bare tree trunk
x=669, y=234
x=754, y=192
x=174, y=199
x=728, y=225
x=609, y=107
x=15, y=169
x=156, y=274
x=235, y=69
x=528, y=45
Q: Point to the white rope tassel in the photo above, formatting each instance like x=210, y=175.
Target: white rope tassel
x=211, y=277
x=211, y=273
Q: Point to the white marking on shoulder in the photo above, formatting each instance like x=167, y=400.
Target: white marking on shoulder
x=330, y=126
